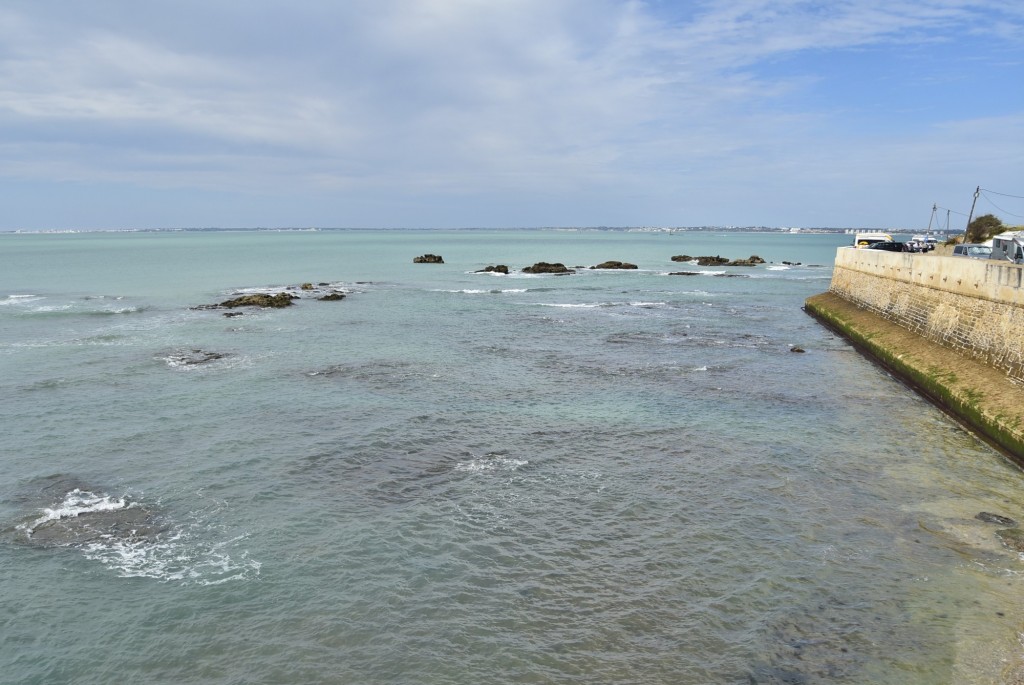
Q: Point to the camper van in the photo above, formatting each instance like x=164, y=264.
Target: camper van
x=868, y=239
x=1008, y=247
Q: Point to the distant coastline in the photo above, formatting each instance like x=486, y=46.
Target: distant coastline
x=610, y=229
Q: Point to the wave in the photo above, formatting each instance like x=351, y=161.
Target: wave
x=76, y=503
x=131, y=539
x=491, y=462
x=601, y=305
x=484, y=291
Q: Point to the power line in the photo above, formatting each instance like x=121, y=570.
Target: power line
x=998, y=207
x=986, y=190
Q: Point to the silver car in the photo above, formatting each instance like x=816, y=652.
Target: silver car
x=973, y=250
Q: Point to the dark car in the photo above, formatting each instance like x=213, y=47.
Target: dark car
x=890, y=246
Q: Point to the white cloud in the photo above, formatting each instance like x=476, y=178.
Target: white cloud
x=465, y=97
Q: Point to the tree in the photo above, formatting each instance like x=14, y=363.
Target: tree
x=983, y=228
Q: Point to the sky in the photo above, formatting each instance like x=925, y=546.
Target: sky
x=118, y=114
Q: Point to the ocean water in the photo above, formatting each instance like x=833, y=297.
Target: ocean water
x=459, y=477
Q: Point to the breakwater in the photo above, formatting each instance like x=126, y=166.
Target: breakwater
x=951, y=327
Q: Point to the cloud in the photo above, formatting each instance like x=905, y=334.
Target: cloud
x=466, y=98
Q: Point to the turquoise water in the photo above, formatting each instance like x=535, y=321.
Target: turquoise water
x=456, y=477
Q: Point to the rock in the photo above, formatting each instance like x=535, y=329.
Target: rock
x=499, y=269
x=685, y=273
x=428, y=259
x=332, y=297
x=719, y=260
x=307, y=286
x=1012, y=538
x=232, y=314
x=711, y=261
x=989, y=517
x=548, y=268
x=193, y=357
x=753, y=260
x=614, y=265
x=260, y=300
x=791, y=263
x=794, y=348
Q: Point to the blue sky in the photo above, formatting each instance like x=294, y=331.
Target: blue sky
x=502, y=113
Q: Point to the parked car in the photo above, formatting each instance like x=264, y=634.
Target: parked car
x=890, y=246
x=973, y=250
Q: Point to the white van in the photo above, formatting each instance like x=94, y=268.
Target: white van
x=868, y=239
x=1009, y=246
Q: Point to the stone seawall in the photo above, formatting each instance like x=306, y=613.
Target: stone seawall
x=952, y=328
x=972, y=306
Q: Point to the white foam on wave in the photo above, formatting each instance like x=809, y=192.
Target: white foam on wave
x=484, y=291
x=563, y=305
x=174, y=558
x=491, y=463
x=180, y=553
x=19, y=299
x=647, y=305
x=778, y=267
x=76, y=503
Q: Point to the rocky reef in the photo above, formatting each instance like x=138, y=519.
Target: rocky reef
x=277, y=300
x=614, y=264
x=717, y=260
x=428, y=259
x=496, y=269
x=548, y=268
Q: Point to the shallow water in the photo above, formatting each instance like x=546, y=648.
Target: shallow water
x=456, y=477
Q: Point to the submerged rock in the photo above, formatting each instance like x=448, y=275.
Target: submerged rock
x=497, y=269
x=81, y=517
x=548, y=268
x=989, y=517
x=193, y=357
x=428, y=259
x=1012, y=538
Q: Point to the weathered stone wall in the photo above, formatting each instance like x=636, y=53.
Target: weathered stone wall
x=973, y=306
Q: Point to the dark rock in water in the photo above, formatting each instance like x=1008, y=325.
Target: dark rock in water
x=260, y=300
x=717, y=260
x=686, y=273
x=614, y=264
x=307, y=286
x=548, y=268
x=1012, y=538
x=794, y=348
x=231, y=314
x=989, y=517
x=193, y=357
x=752, y=260
x=497, y=269
x=82, y=517
x=712, y=261
x=791, y=263
x=332, y=297
x=428, y=259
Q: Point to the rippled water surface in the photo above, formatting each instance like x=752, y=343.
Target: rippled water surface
x=460, y=477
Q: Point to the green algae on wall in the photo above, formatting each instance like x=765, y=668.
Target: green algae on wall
x=981, y=397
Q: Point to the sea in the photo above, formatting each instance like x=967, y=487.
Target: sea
x=662, y=475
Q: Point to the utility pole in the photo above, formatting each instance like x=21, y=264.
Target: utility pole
x=977, y=192
x=931, y=218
